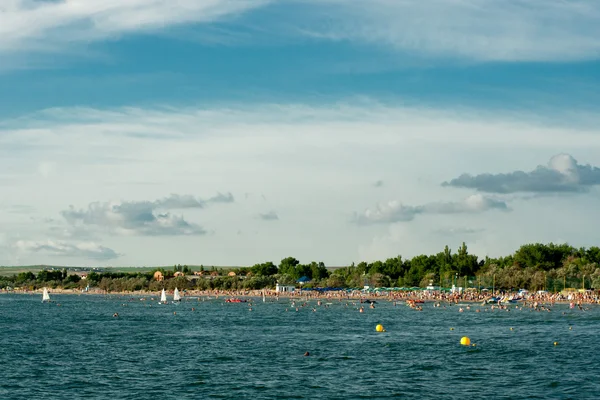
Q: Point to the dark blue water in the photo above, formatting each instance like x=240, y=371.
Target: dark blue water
x=78, y=350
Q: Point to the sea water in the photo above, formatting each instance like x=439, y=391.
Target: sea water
x=74, y=348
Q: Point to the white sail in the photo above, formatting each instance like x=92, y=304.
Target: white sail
x=264, y=298
x=176, y=296
x=163, y=296
x=45, y=295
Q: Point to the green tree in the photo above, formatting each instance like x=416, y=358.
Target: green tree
x=74, y=278
x=264, y=269
x=465, y=264
x=25, y=277
x=318, y=271
x=288, y=266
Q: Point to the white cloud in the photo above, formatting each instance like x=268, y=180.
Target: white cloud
x=269, y=216
x=394, y=211
x=314, y=163
x=562, y=174
x=43, y=25
x=188, y=201
x=481, y=30
x=88, y=250
x=551, y=220
x=142, y=217
x=487, y=30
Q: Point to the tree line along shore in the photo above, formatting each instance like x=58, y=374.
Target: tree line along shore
x=551, y=267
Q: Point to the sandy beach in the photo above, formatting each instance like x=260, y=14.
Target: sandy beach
x=357, y=295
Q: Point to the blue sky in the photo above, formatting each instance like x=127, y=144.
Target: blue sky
x=150, y=69
x=292, y=111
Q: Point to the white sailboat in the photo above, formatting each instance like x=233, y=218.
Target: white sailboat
x=163, y=297
x=45, y=296
x=264, y=297
x=176, y=296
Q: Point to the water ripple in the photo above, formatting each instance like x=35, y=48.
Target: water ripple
x=224, y=351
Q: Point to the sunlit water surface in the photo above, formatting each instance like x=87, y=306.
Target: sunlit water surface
x=79, y=350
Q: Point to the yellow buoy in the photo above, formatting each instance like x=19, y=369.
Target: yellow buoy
x=379, y=328
x=465, y=341
x=511, y=329
x=556, y=343
x=451, y=329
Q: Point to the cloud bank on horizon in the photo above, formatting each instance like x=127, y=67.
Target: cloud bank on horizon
x=143, y=217
x=359, y=120
x=395, y=211
x=61, y=249
x=562, y=174
x=315, y=164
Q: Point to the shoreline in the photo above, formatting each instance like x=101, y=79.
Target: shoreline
x=311, y=295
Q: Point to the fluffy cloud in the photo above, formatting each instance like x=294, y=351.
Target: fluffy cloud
x=189, y=201
x=314, y=163
x=222, y=198
x=142, y=217
x=395, y=211
x=269, y=216
x=410, y=240
x=562, y=174
x=88, y=250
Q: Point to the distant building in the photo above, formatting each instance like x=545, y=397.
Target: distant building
x=158, y=276
x=284, y=288
x=232, y=274
x=199, y=273
x=178, y=273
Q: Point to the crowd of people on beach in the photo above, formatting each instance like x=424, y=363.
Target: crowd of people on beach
x=588, y=297
x=415, y=299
